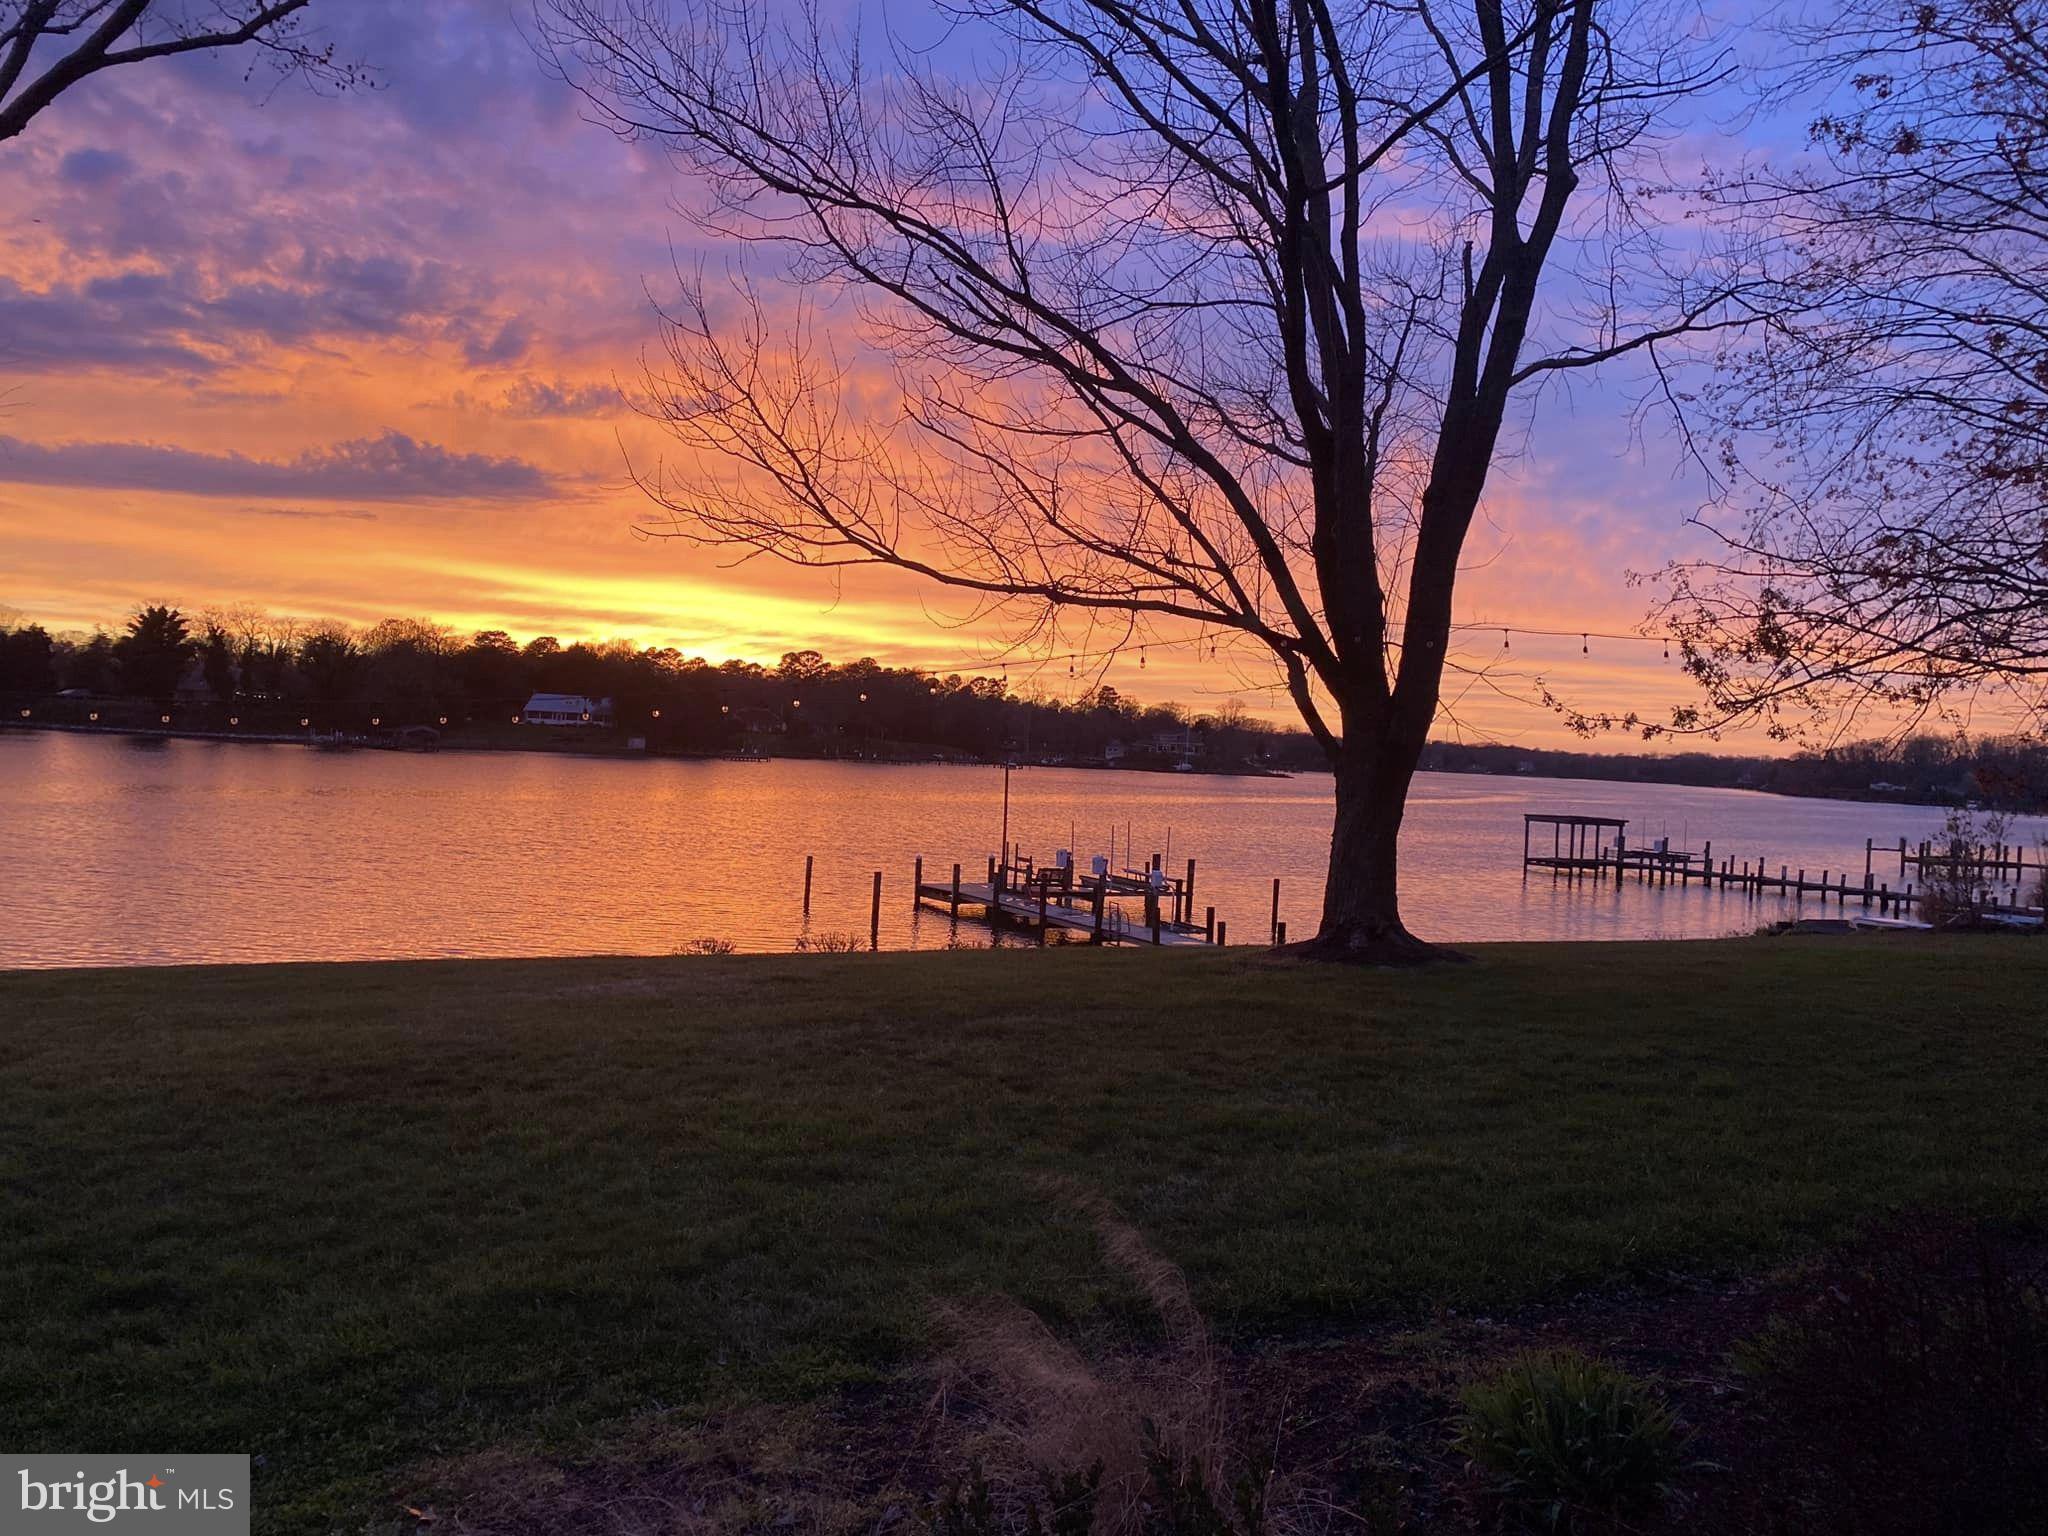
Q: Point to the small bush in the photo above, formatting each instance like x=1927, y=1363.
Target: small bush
x=1909, y=1378
x=709, y=946
x=829, y=944
x=1562, y=1436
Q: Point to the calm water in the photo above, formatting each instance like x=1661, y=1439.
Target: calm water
x=127, y=852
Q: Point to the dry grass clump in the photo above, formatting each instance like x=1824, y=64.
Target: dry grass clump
x=1160, y=1423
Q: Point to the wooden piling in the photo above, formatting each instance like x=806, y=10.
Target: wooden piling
x=956, y=891
x=1209, y=924
x=807, y=884
x=916, y=882
x=1276, y=908
x=1222, y=936
x=875, y=915
x=1280, y=936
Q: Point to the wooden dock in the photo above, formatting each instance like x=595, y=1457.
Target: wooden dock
x=1097, y=904
x=1995, y=876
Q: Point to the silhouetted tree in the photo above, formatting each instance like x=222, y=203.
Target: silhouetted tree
x=48, y=46
x=154, y=652
x=1886, y=535
x=330, y=662
x=27, y=660
x=1204, y=310
x=217, y=660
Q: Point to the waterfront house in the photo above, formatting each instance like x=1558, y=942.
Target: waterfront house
x=566, y=709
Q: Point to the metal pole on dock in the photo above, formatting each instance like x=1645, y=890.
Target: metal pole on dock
x=807, y=884
x=875, y=915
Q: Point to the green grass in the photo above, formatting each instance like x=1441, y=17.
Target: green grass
x=350, y=1217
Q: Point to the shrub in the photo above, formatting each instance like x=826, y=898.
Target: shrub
x=1909, y=1377
x=709, y=946
x=1562, y=1436
x=829, y=944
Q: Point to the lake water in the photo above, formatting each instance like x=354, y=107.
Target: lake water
x=124, y=851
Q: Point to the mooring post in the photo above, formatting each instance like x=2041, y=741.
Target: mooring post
x=807, y=884
x=1222, y=933
x=1189, y=899
x=1868, y=845
x=1209, y=924
x=1280, y=938
x=875, y=915
x=1276, y=907
x=1866, y=890
x=956, y=890
x=917, y=882
x=1707, y=863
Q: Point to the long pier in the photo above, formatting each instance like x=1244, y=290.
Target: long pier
x=1995, y=877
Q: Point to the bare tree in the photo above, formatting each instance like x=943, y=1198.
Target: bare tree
x=1194, y=313
x=48, y=46
x=1885, y=532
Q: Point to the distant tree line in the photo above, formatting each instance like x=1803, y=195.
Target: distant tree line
x=262, y=671
x=268, y=673
x=2000, y=772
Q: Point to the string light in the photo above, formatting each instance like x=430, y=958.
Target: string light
x=1109, y=654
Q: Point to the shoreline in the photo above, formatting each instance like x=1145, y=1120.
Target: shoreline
x=342, y=743
x=626, y=754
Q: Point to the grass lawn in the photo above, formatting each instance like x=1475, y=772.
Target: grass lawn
x=350, y=1217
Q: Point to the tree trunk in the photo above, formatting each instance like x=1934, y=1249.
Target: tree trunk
x=1362, y=898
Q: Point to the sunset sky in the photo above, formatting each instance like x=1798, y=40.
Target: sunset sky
x=358, y=357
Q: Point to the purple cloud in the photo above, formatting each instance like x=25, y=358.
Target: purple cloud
x=392, y=467
x=91, y=167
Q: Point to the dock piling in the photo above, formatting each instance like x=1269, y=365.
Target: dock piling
x=807, y=884
x=875, y=915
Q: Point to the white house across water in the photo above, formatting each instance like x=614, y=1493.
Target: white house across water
x=566, y=709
